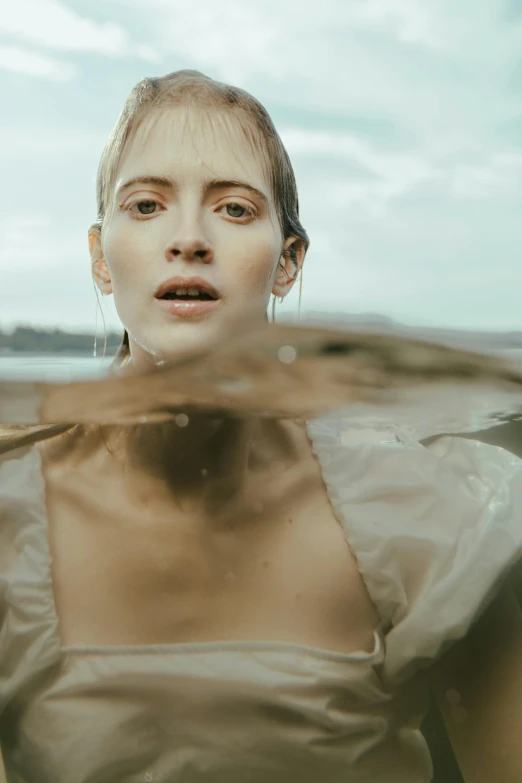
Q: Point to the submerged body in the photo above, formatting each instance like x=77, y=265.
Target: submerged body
x=256, y=646
x=267, y=561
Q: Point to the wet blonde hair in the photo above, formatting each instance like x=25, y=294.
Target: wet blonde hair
x=199, y=93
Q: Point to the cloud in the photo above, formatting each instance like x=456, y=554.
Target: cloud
x=30, y=243
x=392, y=173
x=409, y=21
x=235, y=39
x=418, y=65
x=52, y=24
x=51, y=142
x=479, y=175
x=46, y=278
x=18, y=60
x=499, y=176
x=147, y=53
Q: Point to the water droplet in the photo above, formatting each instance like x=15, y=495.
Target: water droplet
x=287, y=354
x=148, y=777
x=182, y=419
x=143, y=419
x=234, y=385
x=453, y=696
x=204, y=471
x=230, y=577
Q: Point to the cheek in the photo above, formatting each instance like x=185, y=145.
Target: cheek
x=125, y=256
x=257, y=267
x=259, y=274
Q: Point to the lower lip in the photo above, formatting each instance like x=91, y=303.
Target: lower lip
x=187, y=309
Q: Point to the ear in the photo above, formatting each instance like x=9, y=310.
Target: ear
x=100, y=270
x=289, y=266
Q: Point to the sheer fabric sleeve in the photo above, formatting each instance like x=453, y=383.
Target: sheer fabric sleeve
x=435, y=531
x=29, y=641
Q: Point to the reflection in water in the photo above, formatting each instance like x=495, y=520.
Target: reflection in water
x=392, y=390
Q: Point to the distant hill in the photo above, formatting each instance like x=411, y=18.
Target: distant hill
x=27, y=339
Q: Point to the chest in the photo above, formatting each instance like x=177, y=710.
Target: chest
x=276, y=569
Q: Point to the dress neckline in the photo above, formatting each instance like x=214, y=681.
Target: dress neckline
x=229, y=645
x=232, y=645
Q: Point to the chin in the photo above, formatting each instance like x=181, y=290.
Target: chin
x=179, y=343
x=180, y=340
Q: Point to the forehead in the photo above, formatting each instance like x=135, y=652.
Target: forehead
x=184, y=142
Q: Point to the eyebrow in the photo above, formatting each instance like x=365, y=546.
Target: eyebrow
x=212, y=184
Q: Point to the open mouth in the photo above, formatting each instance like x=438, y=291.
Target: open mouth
x=188, y=295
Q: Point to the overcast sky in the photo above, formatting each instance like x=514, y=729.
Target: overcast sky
x=403, y=119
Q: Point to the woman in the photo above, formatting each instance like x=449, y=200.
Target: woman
x=240, y=600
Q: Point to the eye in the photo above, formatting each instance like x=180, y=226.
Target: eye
x=238, y=211
x=235, y=210
x=146, y=207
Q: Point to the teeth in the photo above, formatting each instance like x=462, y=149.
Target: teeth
x=187, y=292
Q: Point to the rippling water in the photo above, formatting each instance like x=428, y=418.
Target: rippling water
x=412, y=384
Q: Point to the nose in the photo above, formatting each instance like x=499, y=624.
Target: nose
x=191, y=247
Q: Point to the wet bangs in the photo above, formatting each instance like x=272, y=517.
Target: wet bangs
x=228, y=123
x=204, y=100
x=195, y=118
x=234, y=122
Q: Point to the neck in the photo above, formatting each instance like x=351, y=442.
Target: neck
x=211, y=466
x=208, y=461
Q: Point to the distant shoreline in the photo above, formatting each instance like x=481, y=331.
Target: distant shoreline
x=30, y=340
x=9, y=353
x=27, y=340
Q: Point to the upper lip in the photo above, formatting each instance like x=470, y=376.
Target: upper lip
x=186, y=282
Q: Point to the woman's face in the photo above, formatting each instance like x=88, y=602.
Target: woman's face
x=190, y=201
